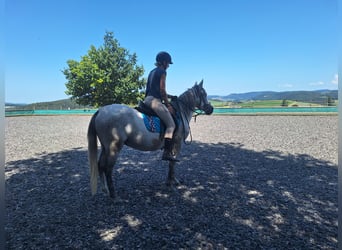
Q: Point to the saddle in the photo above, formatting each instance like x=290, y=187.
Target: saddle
x=152, y=121
x=143, y=108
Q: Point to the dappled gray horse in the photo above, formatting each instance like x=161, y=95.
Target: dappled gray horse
x=117, y=125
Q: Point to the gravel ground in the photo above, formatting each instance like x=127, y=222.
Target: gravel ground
x=247, y=182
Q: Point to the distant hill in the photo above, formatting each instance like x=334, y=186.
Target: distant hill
x=59, y=105
x=317, y=96
x=10, y=104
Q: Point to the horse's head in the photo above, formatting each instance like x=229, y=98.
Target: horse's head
x=201, y=99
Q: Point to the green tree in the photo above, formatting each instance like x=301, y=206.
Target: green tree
x=284, y=103
x=331, y=101
x=108, y=74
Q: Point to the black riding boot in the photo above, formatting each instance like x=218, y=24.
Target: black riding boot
x=168, y=155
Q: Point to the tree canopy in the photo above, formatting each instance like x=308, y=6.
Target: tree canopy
x=108, y=74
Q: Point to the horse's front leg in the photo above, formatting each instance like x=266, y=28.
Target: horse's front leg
x=171, y=179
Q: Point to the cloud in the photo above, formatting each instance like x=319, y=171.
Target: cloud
x=335, y=80
x=320, y=83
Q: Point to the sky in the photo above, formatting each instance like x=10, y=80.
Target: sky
x=235, y=46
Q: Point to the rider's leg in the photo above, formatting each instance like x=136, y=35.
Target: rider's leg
x=166, y=117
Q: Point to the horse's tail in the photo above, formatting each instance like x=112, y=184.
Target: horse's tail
x=92, y=154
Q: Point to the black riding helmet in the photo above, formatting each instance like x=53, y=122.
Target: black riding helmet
x=164, y=57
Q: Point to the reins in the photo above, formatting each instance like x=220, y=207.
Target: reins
x=177, y=102
x=191, y=107
x=197, y=113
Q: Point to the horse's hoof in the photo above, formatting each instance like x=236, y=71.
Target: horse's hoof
x=176, y=182
x=172, y=189
x=173, y=182
x=105, y=190
x=112, y=196
x=117, y=200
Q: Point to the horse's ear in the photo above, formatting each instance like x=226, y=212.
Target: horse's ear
x=195, y=84
x=201, y=83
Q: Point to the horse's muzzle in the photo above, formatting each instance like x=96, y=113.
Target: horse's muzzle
x=208, y=109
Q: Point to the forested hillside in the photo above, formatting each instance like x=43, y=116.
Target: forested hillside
x=318, y=96
x=59, y=104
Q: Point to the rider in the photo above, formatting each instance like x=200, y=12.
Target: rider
x=157, y=99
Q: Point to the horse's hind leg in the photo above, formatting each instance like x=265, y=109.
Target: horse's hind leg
x=102, y=169
x=110, y=158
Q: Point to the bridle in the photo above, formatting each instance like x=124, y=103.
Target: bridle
x=203, y=106
x=188, y=100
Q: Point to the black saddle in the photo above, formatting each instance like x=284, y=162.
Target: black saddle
x=143, y=108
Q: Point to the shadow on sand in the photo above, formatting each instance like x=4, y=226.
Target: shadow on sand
x=229, y=197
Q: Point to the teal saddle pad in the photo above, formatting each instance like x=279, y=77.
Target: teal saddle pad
x=153, y=124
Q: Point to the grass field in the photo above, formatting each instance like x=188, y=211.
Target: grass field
x=262, y=104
